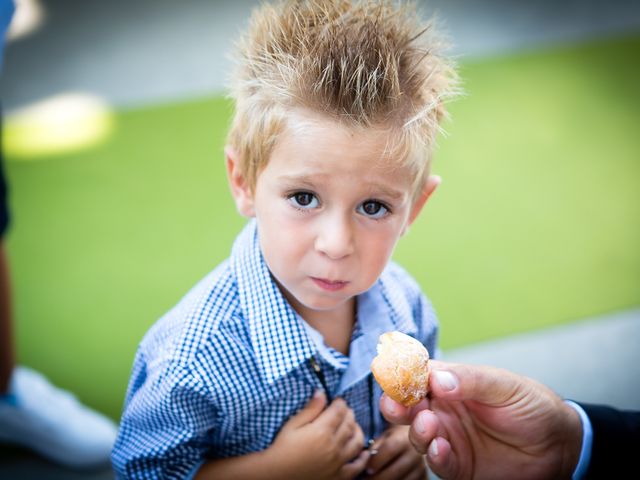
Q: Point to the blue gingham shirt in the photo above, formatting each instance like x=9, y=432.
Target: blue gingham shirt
x=221, y=372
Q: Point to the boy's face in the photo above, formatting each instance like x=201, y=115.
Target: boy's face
x=329, y=210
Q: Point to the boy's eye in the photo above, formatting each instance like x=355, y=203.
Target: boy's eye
x=304, y=200
x=373, y=209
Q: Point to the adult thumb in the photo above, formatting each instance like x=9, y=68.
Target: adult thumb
x=311, y=410
x=483, y=384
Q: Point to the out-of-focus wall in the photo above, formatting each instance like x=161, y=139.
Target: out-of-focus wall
x=147, y=51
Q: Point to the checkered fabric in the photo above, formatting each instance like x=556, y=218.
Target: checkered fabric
x=220, y=373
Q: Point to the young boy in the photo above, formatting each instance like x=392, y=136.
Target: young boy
x=262, y=370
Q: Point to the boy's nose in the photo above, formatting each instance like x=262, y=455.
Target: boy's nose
x=335, y=238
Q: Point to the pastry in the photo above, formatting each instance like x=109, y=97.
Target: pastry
x=402, y=368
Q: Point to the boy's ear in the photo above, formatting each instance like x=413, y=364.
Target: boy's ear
x=432, y=183
x=241, y=192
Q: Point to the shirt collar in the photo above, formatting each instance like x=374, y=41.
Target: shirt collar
x=277, y=334
x=336, y=359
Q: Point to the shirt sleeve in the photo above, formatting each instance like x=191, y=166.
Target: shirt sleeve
x=164, y=424
x=587, y=440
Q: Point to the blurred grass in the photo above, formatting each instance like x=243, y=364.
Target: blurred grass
x=536, y=223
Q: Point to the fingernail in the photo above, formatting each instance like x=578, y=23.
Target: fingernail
x=390, y=406
x=421, y=424
x=318, y=394
x=446, y=380
x=433, y=448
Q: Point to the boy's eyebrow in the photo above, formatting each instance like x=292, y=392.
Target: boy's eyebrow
x=297, y=179
x=307, y=180
x=391, y=193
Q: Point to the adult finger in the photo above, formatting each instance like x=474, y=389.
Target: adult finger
x=425, y=427
x=488, y=385
x=397, y=413
x=441, y=459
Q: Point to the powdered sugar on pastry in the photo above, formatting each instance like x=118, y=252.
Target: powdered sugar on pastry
x=401, y=368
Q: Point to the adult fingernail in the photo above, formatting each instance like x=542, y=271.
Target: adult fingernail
x=390, y=406
x=421, y=424
x=446, y=380
x=433, y=448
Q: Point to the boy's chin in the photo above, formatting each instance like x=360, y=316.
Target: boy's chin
x=319, y=303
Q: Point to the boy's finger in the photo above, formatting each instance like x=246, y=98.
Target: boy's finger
x=380, y=458
x=355, y=467
x=353, y=446
x=310, y=412
x=347, y=429
x=335, y=415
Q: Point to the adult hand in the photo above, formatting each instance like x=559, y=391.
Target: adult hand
x=488, y=423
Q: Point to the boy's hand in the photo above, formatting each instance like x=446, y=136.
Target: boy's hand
x=396, y=457
x=320, y=442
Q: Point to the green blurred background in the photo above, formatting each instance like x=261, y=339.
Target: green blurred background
x=536, y=222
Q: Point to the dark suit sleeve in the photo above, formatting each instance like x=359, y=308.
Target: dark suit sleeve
x=616, y=442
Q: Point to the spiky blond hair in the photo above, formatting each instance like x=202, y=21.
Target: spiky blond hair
x=362, y=63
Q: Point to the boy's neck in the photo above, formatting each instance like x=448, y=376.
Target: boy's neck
x=335, y=326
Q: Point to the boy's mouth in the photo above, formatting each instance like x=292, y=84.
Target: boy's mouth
x=329, y=285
